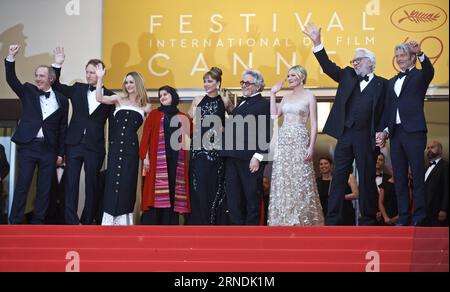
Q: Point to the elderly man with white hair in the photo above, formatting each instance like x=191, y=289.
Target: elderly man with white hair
x=354, y=120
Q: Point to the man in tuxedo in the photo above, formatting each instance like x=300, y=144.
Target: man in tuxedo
x=436, y=186
x=4, y=170
x=354, y=120
x=55, y=211
x=407, y=129
x=40, y=136
x=250, y=122
x=85, y=139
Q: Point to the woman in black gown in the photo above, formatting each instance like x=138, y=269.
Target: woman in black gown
x=206, y=173
x=347, y=212
x=123, y=155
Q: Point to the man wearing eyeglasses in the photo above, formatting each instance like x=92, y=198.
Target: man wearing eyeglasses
x=354, y=120
x=244, y=151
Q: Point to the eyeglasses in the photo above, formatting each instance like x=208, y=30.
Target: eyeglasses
x=357, y=60
x=246, y=83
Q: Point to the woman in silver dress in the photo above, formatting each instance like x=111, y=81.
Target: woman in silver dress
x=294, y=199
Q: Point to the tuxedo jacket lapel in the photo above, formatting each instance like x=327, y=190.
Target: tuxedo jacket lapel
x=37, y=103
x=407, y=80
x=85, y=99
x=435, y=169
x=249, y=101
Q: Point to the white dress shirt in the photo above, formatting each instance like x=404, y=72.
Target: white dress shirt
x=48, y=107
x=92, y=101
x=399, y=84
x=431, y=167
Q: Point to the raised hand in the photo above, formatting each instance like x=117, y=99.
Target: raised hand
x=13, y=50
x=313, y=33
x=100, y=71
x=58, y=52
x=277, y=87
x=226, y=100
x=414, y=46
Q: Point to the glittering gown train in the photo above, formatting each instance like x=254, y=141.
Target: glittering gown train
x=294, y=199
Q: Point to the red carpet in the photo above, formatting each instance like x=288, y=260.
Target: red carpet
x=222, y=248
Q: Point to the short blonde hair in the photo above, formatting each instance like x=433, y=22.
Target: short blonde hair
x=300, y=72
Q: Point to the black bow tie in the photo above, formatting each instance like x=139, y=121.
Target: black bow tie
x=92, y=88
x=47, y=94
x=379, y=175
x=242, y=99
x=361, y=78
x=401, y=74
x=432, y=163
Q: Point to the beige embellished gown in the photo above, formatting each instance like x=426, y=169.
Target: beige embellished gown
x=294, y=199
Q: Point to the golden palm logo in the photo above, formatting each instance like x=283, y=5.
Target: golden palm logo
x=419, y=17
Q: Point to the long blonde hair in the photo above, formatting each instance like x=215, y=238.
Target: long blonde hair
x=141, y=92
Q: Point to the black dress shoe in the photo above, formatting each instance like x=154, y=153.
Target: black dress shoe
x=401, y=224
x=420, y=223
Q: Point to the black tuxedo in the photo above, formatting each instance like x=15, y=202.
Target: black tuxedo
x=354, y=119
x=55, y=211
x=437, y=192
x=32, y=152
x=4, y=170
x=243, y=188
x=85, y=144
x=408, y=139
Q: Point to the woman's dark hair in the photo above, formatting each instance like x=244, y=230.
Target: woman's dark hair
x=327, y=159
x=215, y=73
x=173, y=92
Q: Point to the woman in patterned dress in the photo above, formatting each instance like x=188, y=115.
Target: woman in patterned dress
x=206, y=171
x=294, y=199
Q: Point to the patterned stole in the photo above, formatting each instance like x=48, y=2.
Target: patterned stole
x=162, y=192
x=162, y=198
x=181, y=195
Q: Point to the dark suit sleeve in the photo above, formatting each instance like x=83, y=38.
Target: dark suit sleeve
x=445, y=195
x=328, y=67
x=269, y=125
x=63, y=128
x=427, y=70
x=382, y=111
x=13, y=81
x=4, y=165
x=67, y=90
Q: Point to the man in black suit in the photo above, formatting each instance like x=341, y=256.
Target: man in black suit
x=407, y=128
x=354, y=120
x=85, y=139
x=55, y=211
x=40, y=136
x=436, y=186
x=250, y=122
x=4, y=170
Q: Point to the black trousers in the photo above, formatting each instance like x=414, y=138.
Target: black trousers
x=243, y=192
x=30, y=155
x=407, y=149
x=353, y=145
x=76, y=156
